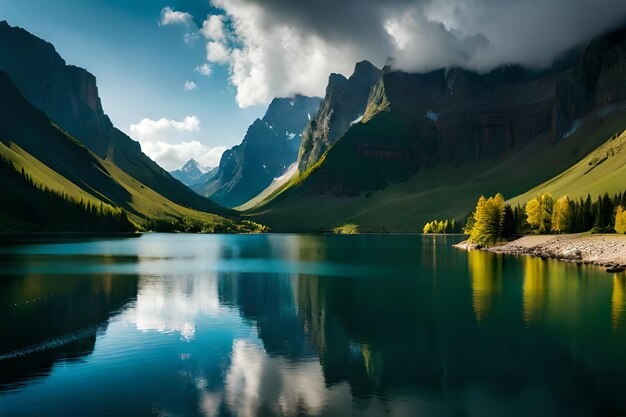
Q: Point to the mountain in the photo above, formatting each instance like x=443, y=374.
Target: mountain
x=50, y=164
x=193, y=173
x=69, y=96
x=343, y=105
x=269, y=147
x=429, y=144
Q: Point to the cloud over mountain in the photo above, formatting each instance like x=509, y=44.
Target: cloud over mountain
x=281, y=47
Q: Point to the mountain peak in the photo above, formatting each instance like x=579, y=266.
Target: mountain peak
x=363, y=66
x=192, y=166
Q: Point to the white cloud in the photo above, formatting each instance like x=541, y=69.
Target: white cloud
x=204, y=69
x=189, y=86
x=171, y=17
x=149, y=129
x=171, y=143
x=217, y=52
x=190, y=37
x=280, y=47
x=213, y=28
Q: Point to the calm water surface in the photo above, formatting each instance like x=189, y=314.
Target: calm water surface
x=262, y=325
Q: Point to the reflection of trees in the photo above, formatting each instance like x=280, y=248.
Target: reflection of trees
x=486, y=273
x=618, y=301
x=53, y=318
x=534, y=289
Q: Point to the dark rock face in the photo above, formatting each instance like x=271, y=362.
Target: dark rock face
x=69, y=96
x=414, y=121
x=192, y=173
x=597, y=80
x=345, y=102
x=270, y=146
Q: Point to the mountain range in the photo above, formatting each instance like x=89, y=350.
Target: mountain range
x=426, y=146
x=384, y=150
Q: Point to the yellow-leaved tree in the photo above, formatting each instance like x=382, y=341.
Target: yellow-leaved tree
x=539, y=212
x=620, y=220
x=488, y=220
x=561, y=215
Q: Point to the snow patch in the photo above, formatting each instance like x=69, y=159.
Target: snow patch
x=309, y=115
x=357, y=120
x=573, y=129
x=432, y=115
x=290, y=135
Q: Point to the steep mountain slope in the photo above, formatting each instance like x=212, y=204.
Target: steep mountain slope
x=343, y=105
x=602, y=171
x=270, y=146
x=69, y=96
x=424, y=134
x=192, y=173
x=31, y=142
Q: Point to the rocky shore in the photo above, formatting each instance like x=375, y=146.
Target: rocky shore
x=608, y=251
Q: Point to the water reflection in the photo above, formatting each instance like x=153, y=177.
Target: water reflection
x=534, y=290
x=50, y=318
x=174, y=305
x=486, y=274
x=618, y=301
x=353, y=325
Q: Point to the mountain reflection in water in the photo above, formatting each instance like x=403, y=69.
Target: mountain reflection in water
x=305, y=325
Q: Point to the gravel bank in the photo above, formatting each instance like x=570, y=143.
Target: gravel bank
x=608, y=251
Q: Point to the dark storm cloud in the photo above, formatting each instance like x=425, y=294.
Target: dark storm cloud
x=417, y=35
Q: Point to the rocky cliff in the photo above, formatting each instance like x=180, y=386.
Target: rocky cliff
x=413, y=121
x=344, y=104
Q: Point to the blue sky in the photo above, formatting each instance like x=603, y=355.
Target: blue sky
x=141, y=67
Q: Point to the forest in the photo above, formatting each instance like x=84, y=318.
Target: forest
x=494, y=221
x=29, y=206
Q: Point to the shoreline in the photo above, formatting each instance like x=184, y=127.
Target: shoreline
x=37, y=237
x=604, y=250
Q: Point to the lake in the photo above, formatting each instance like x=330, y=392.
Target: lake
x=263, y=325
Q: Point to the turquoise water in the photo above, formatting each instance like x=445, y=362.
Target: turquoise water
x=262, y=325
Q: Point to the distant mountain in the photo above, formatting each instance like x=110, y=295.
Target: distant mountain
x=193, y=173
x=69, y=96
x=429, y=144
x=270, y=146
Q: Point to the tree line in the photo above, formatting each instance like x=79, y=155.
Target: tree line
x=492, y=220
x=441, y=226
x=27, y=205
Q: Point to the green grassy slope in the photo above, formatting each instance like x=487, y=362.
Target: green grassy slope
x=440, y=192
x=55, y=160
x=602, y=171
x=68, y=95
